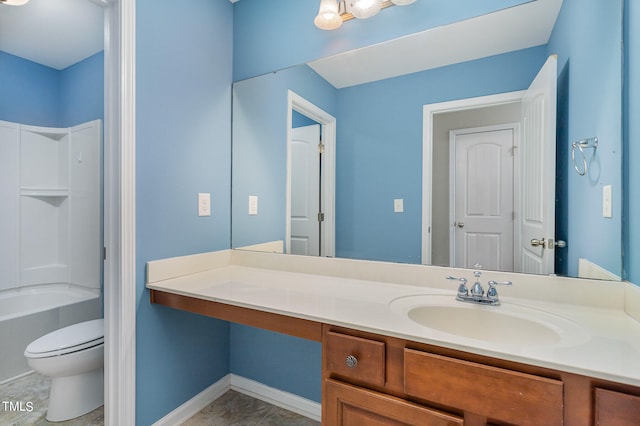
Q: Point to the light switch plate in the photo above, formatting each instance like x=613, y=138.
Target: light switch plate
x=204, y=204
x=607, y=209
x=253, y=205
x=398, y=205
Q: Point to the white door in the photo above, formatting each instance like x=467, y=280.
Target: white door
x=482, y=198
x=305, y=190
x=538, y=168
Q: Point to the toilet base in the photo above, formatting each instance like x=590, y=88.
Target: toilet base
x=73, y=396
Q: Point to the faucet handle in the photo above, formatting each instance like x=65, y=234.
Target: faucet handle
x=492, y=293
x=462, y=288
x=495, y=283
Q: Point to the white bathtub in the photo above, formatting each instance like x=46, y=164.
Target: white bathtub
x=30, y=312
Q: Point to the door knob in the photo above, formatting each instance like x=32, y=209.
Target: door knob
x=538, y=243
x=459, y=224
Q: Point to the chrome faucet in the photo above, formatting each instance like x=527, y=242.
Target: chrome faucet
x=477, y=292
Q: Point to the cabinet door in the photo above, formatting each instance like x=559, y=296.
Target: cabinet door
x=495, y=393
x=617, y=409
x=348, y=405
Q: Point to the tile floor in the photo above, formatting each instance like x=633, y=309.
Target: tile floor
x=231, y=409
x=234, y=408
x=34, y=388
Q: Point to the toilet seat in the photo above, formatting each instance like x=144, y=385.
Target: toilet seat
x=66, y=340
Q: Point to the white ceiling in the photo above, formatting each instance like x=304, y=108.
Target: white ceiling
x=55, y=33
x=515, y=28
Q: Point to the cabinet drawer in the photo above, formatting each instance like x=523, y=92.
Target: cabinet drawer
x=495, y=393
x=615, y=408
x=348, y=405
x=362, y=360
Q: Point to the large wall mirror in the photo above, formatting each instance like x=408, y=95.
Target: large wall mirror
x=463, y=145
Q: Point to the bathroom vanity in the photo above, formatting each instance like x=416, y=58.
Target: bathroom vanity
x=399, y=381
x=570, y=359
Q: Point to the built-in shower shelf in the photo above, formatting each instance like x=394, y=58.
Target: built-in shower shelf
x=50, y=220
x=44, y=192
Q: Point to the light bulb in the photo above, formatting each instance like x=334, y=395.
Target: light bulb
x=402, y=2
x=328, y=17
x=363, y=9
x=14, y=2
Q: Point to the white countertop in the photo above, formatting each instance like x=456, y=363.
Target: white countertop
x=604, y=341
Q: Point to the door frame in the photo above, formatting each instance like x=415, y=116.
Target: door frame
x=327, y=123
x=119, y=213
x=429, y=113
x=515, y=128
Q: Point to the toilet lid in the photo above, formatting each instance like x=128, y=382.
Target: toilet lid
x=68, y=339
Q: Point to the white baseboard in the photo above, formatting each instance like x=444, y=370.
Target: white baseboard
x=197, y=403
x=286, y=400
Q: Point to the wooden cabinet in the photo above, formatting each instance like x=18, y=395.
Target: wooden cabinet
x=400, y=382
x=495, y=393
x=349, y=405
x=616, y=408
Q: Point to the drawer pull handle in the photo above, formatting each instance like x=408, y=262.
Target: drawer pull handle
x=351, y=361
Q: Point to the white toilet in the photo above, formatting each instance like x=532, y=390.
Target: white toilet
x=74, y=359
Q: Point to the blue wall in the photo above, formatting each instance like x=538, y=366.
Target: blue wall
x=632, y=142
x=259, y=160
x=38, y=95
x=82, y=91
x=274, y=35
x=183, y=90
x=589, y=105
x=29, y=92
x=284, y=362
x=379, y=153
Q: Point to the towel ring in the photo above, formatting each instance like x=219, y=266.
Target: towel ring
x=581, y=145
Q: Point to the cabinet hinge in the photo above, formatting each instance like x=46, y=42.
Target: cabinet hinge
x=320, y=217
x=321, y=148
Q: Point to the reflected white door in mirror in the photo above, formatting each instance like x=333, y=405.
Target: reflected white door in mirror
x=532, y=183
x=306, y=158
x=482, y=197
x=310, y=187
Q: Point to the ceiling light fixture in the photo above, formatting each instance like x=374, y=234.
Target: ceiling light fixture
x=333, y=13
x=363, y=9
x=14, y=2
x=328, y=17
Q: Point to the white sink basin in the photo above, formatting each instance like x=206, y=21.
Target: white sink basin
x=508, y=323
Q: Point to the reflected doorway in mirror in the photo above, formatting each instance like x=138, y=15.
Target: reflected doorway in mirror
x=536, y=111
x=322, y=184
